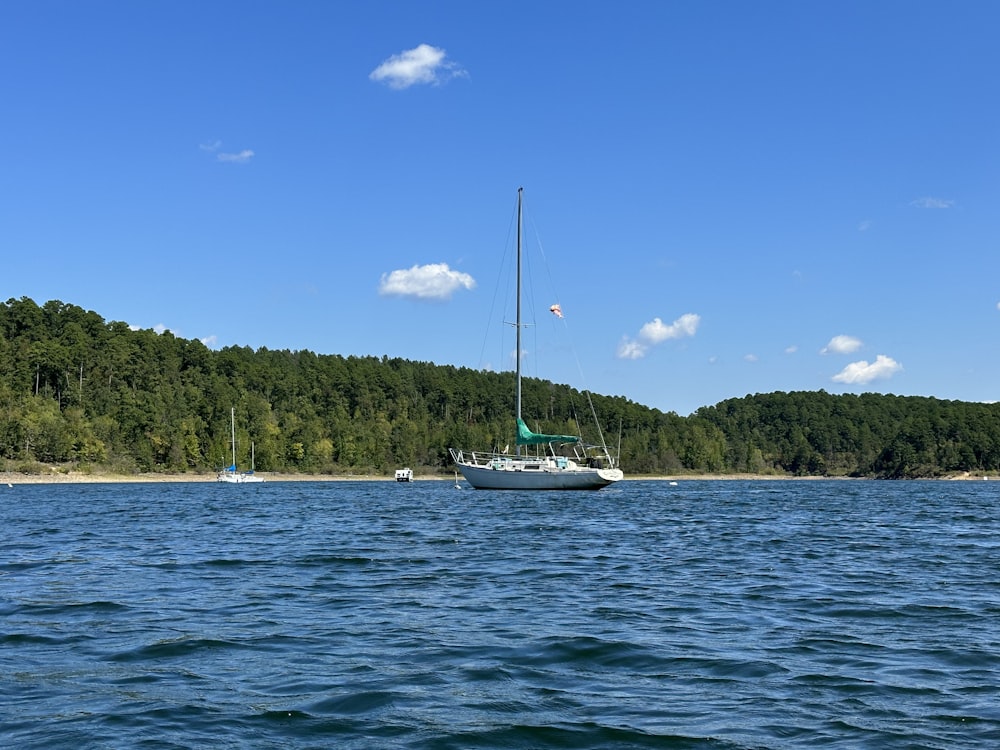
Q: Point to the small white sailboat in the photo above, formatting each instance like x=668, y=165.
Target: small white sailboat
x=230, y=475
x=560, y=462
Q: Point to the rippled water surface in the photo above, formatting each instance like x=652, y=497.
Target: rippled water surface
x=710, y=614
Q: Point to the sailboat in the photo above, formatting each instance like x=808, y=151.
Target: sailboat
x=230, y=475
x=555, y=462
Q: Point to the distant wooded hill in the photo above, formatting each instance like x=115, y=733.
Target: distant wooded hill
x=78, y=391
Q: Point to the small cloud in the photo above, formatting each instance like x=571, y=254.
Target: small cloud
x=241, y=158
x=422, y=64
x=862, y=372
x=750, y=358
x=791, y=349
x=512, y=357
x=841, y=345
x=865, y=225
x=210, y=341
x=630, y=349
x=932, y=203
x=211, y=146
x=435, y=281
x=656, y=332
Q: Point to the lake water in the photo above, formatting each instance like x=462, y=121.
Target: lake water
x=710, y=614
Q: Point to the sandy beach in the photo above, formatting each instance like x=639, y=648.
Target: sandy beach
x=10, y=478
x=75, y=477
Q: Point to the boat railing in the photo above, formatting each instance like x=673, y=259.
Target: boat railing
x=594, y=456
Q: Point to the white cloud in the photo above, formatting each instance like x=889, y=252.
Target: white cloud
x=241, y=158
x=656, y=332
x=435, y=281
x=512, y=357
x=863, y=372
x=629, y=349
x=791, y=349
x=422, y=64
x=210, y=341
x=932, y=203
x=211, y=146
x=841, y=345
x=750, y=358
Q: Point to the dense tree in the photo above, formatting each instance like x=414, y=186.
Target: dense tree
x=79, y=391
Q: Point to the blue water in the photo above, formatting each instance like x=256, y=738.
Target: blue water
x=710, y=614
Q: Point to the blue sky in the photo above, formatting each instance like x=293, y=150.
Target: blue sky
x=732, y=197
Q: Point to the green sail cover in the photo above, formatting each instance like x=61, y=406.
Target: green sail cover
x=527, y=437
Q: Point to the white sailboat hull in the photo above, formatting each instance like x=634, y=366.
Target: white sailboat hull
x=588, y=479
x=501, y=472
x=234, y=477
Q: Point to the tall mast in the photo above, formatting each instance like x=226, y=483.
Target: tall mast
x=232, y=427
x=517, y=325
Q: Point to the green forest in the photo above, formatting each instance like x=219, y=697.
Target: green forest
x=83, y=394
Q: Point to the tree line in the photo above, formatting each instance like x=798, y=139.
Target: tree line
x=77, y=391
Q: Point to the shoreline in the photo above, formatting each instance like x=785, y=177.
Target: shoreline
x=77, y=477
x=10, y=478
